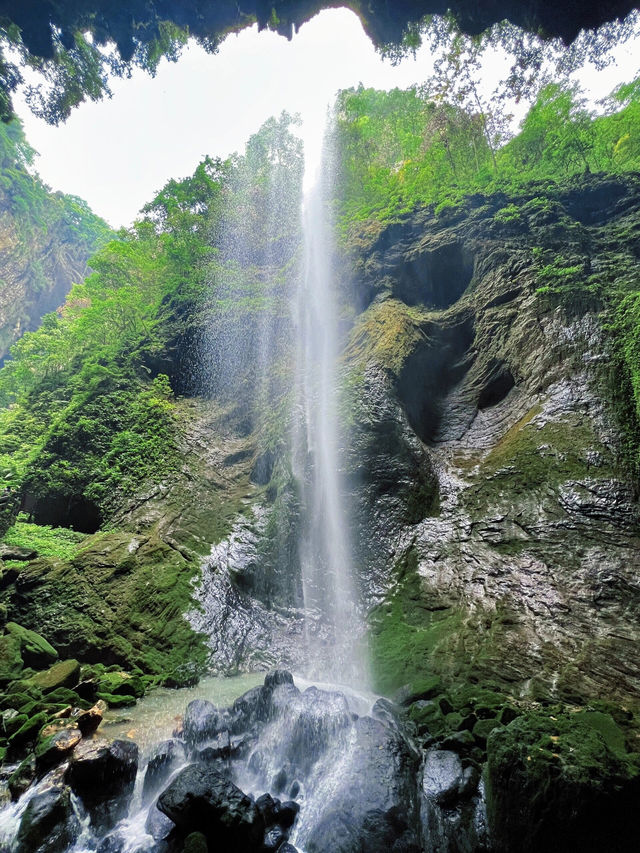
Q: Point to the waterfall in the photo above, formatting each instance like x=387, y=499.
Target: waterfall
x=334, y=629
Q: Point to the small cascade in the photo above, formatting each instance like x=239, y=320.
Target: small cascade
x=334, y=629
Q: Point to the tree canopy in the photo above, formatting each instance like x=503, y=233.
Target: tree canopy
x=77, y=45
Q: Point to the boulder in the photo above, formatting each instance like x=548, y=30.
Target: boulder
x=372, y=802
x=36, y=651
x=443, y=776
x=89, y=720
x=164, y=759
x=11, y=662
x=102, y=775
x=48, y=824
x=65, y=673
x=56, y=748
x=202, y=721
x=202, y=800
x=285, y=813
x=15, y=552
x=452, y=807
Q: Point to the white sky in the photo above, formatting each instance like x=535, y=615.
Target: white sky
x=118, y=153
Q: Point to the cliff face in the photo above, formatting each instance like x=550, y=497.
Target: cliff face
x=496, y=501
x=37, y=269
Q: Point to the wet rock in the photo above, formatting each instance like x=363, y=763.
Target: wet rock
x=373, y=805
x=279, y=781
x=386, y=711
x=200, y=799
x=277, y=677
x=158, y=825
x=425, y=688
x=102, y=775
x=22, y=777
x=202, y=721
x=164, y=759
x=285, y=814
x=114, y=842
x=218, y=749
x=266, y=806
x=89, y=721
x=246, y=709
x=56, y=748
x=273, y=839
x=48, y=824
x=443, y=774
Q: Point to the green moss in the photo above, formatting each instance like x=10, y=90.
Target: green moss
x=550, y=780
x=35, y=650
x=385, y=334
x=530, y=457
x=123, y=701
x=405, y=634
x=121, y=601
x=11, y=663
x=65, y=673
x=29, y=730
x=48, y=541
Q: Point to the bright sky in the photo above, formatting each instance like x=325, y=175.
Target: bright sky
x=118, y=153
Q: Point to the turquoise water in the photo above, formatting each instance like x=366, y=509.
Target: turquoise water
x=156, y=715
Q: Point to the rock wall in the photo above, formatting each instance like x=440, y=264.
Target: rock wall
x=499, y=515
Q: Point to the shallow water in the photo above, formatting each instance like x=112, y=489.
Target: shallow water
x=155, y=716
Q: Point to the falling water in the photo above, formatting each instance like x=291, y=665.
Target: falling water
x=333, y=626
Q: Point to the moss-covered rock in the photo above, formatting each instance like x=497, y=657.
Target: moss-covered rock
x=122, y=701
x=65, y=673
x=15, y=699
x=22, y=777
x=28, y=731
x=55, y=748
x=11, y=662
x=554, y=782
x=121, y=684
x=65, y=696
x=11, y=722
x=36, y=651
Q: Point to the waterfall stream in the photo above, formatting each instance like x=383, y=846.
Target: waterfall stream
x=334, y=628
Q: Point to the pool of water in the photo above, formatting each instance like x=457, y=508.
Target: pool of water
x=155, y=716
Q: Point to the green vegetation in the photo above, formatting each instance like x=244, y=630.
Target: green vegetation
x=89, y=416
x=405, y=632
x=400, y=150
x=59, y=542
x=550, y=774
x=93, y=417
x=47, y=239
